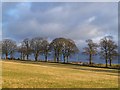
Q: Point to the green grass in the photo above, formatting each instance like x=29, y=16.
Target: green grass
x=27, y=74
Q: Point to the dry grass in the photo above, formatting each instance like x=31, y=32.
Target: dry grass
x=52, y=75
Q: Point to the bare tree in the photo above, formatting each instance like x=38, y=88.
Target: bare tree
x=22, y=50
x=104, y=49
x=112, y=50
x=91, y=50
x=62, y=46
x=45, y=49
x=56, y=46
x=26, y=45
x=70, y=48
x=36, y=46
x=108, y=49
x=8, y=47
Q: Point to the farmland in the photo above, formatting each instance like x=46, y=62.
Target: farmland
x=28, y=74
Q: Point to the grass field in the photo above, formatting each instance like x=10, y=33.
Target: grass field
x=26, y=74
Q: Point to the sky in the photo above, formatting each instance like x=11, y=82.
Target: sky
x=78, y=21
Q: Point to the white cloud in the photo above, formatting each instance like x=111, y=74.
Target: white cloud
x=91, y=19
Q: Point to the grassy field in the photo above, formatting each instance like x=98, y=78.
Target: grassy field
x=26, y=74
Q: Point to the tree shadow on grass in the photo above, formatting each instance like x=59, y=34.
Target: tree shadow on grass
x=68, y=65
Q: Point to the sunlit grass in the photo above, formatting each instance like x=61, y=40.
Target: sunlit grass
x=52, y=75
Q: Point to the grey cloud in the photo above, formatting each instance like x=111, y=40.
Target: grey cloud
x=61, y=20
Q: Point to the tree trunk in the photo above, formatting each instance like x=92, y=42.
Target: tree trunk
x=106, y=64
x=90, y=59
x=6, y=55
x=46, y=58
x=106, y=61
x=11, y=56
x=55, y=55
x=57, y=59
x=54, y=58
x=67, y=58
x=27, y=56
x=23, y=57
x=36, y=58
x=110, y=62
x=64, y=58
x=20, y=56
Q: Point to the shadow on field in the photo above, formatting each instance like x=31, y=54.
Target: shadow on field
x=98, y=70
x=68, y=65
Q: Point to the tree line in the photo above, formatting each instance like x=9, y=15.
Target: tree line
x=60, y=47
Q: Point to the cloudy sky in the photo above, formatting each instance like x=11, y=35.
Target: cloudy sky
x=77, y=21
